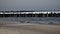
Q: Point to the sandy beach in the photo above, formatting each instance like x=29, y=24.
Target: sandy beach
x=27, y=28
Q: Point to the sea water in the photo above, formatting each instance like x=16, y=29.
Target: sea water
x=36, y=20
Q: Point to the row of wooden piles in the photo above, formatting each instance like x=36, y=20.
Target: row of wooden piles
x=30, y=15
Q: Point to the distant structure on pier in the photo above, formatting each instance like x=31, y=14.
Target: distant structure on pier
x=41, y=13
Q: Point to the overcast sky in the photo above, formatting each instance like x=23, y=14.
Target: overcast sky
x=29, y=4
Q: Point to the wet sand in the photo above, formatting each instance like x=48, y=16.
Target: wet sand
x=28, y=28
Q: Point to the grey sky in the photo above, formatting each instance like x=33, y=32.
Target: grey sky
x=28, y=4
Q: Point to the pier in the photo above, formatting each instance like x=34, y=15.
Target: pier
x=29, y=13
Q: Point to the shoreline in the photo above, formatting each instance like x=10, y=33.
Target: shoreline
x=15, y=23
